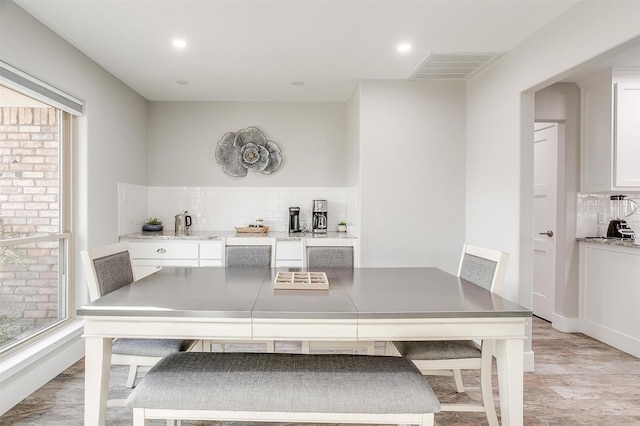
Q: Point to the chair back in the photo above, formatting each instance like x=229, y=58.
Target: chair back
x=107, y=268
x=329, y=257
x=329, y=253
x=484, y=267
x=250, y=252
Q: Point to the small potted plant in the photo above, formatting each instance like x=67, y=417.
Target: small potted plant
x=153, y=225
x=342, y=227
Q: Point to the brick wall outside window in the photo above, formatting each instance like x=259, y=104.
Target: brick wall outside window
x=29, y=205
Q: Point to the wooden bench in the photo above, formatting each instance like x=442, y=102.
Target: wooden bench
x=279, y=387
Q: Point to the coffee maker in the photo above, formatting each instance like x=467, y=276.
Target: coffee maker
x=319, y=216
x=294, y=219
x=620, y=207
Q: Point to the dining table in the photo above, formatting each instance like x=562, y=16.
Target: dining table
x=361, y=304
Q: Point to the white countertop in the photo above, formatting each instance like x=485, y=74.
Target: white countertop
x=619, y=242
x=216, y=235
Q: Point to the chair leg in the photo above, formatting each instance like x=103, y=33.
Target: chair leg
x=371, y=348
x=428, y=419
x=485, y=382
x=133, y=373
x=457, y=378
x=138, y=417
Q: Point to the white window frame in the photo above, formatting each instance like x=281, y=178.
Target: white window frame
x=67, y=107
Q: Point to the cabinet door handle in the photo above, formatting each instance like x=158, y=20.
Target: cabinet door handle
x=548, y=233
x=161, y=250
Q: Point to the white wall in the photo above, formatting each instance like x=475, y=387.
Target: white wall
x=499, y=116
x=412, y=173
x=183, y=138
x=109, y=140
x=560, y=102
x=352, y=163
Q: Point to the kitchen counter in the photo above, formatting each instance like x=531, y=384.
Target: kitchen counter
x=619, y=242
x=217, y=235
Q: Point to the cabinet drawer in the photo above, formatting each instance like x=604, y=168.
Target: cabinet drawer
x=288, y=250
x=179, y=262
x=164, y=250
x=211, y=251
x=145, y=267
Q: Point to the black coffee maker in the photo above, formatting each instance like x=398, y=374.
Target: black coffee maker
x=294, y=219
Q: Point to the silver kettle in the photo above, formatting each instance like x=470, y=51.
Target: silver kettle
x=183, y=222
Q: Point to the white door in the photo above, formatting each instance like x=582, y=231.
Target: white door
x=544, y=218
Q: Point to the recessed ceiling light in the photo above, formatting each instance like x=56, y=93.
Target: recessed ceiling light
x=182, y=82
x=179, y=43
x=297, y=83
x=404, y=47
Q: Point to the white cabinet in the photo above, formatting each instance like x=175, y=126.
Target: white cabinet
x=148, y=257
x=211, y=253
x=627, y=134
x=151, y=255
x=289, y=253
x=610, y=295
x=610, y=140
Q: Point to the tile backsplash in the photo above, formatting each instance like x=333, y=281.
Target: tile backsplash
x=592, y=207
x=222, y=208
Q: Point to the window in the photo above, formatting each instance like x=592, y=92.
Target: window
x=35, y=141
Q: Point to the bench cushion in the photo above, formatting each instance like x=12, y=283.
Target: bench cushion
x=150, y=347
x=279, y=382
x=445, y=349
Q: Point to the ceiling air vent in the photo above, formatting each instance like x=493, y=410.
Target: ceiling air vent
x=453, y=66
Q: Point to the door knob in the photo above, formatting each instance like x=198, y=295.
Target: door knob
x=548, y=233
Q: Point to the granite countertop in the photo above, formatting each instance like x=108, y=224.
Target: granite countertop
x=217, y=235
x=611, y=241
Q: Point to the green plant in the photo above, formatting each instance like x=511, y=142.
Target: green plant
x=154, y=221
x=10, y=255
x=9, y=328
x=342, y=223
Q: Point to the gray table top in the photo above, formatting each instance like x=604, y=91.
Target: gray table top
x=366, y=293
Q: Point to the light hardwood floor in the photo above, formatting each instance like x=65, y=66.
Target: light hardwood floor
x=577, y=381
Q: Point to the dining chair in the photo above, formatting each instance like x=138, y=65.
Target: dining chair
x=248, y=252
x=107, y=269
x=486, y=268
x=318, y=256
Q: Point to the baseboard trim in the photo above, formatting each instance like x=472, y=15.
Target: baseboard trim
x=615, y=338
x=566, y=324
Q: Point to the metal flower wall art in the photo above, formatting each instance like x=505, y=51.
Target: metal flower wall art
x=247, y=149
